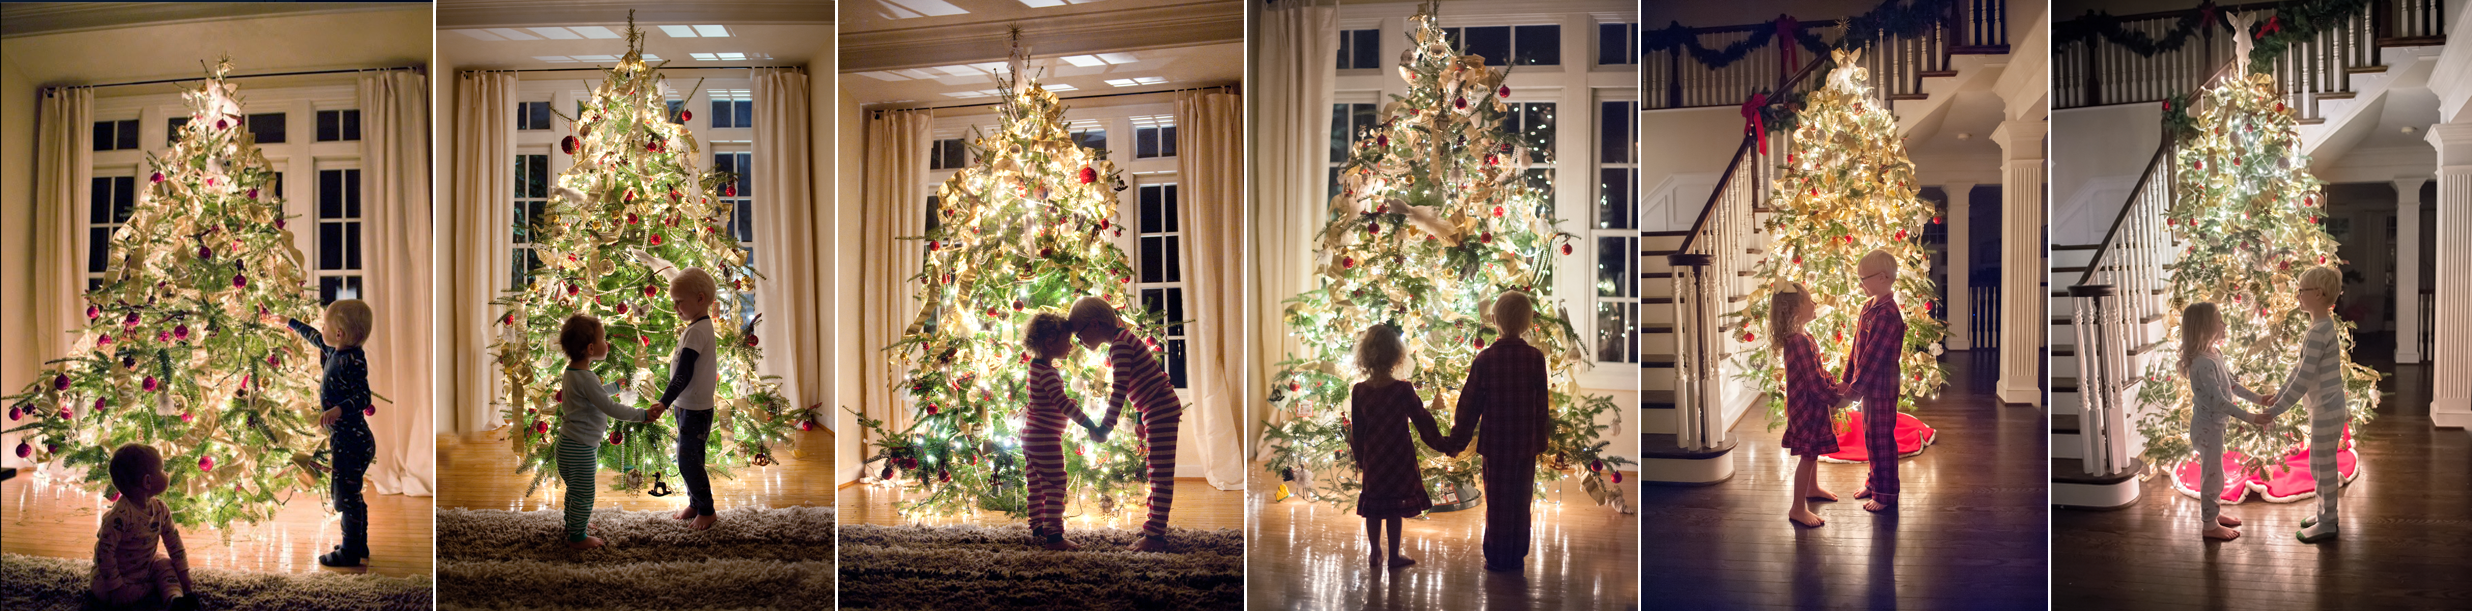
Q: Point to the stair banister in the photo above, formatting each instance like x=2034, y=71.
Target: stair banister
x=2102, y=358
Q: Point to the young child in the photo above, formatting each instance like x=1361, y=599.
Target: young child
x=126, y=568
x=1505, y=399
x=1811, y=398
x=1042, y=439
x=345, y=394
x=692, y=376
x=584, y=416
x=1872, y=375
x=1141, y=379
x=2201, y=328
x=1381, y=409
x=2318, y=378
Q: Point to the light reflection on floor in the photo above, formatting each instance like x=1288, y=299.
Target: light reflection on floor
x=47, y=516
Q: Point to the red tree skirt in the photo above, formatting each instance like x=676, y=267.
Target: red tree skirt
x=2284, y=483
x=1912, y=437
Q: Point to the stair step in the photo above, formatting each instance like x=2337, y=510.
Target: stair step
x=2337, y=95
x=2064, y=424
x=1656, y=300
x=1665, y=234
x=2312, y=121
x=1669, y=446
x=2063, y=350
x=1936, y=73
x=2076, y=246
x=2073, y=471
x=1656, y=361
x=1656, y=399
x=1908, y=96
x=2369, y=69
x=1655, y=329
x=1660, y=253
x=2069, y=270
x=2063, y=385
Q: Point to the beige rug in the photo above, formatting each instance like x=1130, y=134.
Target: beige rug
x=975, y=567
x=42, y=583
x=753, y=559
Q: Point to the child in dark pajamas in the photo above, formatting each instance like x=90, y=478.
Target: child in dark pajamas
x=345, y=394
x=1505, y=398
x=1042, y=438
x=1141, y=379
x=1381, y=410
x=692, y=376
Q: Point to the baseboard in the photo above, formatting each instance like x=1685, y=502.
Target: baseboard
x=2450, y=420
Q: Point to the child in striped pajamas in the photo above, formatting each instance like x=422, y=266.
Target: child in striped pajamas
x=1140, y=378
x=2318, y=378
x=2201, y=328
x=1042, y=439
x=584, y=410
x=344, y=392
x=126, y=568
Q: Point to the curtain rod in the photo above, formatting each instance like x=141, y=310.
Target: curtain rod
x=238, y=76
x=798, y=68
x=1230, y=88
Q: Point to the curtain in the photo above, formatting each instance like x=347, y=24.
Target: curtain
x=1209, y=163
x=896, y=207
x=476, y=253
x=790, y=240
x=1291, y=132
x=64, y=160
x=394, y=106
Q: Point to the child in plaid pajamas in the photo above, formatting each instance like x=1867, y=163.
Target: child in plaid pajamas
x=1810, y=400
x=1380, y=411
x=1141, y=379
x=1505, y=397
x=126, y=568
x=1872, y=376
x=1042, y=439
x=2318, y=379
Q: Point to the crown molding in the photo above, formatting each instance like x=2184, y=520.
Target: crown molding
x=1107, y=31
x=453, y=14
x=39, y=18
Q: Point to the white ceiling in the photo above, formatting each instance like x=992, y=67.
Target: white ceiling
x=77, y=50
x=915, y=53
x=1069, y=76
x=584, y=44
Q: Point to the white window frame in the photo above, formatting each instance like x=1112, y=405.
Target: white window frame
x=1598, y=232
x=523, y=203
x=354, y=279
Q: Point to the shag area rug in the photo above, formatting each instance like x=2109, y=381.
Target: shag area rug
x=41, y=583
x=753, y=559
x=977, y=567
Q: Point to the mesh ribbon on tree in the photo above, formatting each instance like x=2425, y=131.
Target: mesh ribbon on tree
x=174, y=354
x=632, y=212
x=1434, y=218
x=1847, y=189
x=2247, y=211
x=1025, y=229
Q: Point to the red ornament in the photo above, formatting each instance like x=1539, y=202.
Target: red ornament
x=1089, y=175
x=1505, y=91
x=186, y=417
x=1370, y=229
x=1477, y=341
x=651, y=290
x=1901, y=234
x=1486, y=237
x=205, y=463
x=540, y=426
x=631, y=218
x=1617, y=477
x=685, y=115
x=622, y=308
x=1459, y=103
x=944, y=476
x=1381, y=140
x=751, y=340
x=932, y=244
x=729, y=190
x=1347, y=262
x=568, y=145
x=150, y=384
x=615, y=437
x=105, y=340
x=558, y=396
x=240, y=281
x=93, y=312
x=1935, y=220
x=1497, y=212
x=61, y=382
x=806, y=425
x=931, y=409
x=1566, y=249
x=1748, y=337
x=656, y=239
x=274, y=359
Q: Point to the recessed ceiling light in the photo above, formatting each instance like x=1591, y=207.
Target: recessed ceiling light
x=555, y=33
x=594, y=31
x=1084, y=61
x=1049, y=3
x=884, y=75
x=1137, y=81
x=905, y=9
x=679, y=31
x=1118, y=58
x=713, y=31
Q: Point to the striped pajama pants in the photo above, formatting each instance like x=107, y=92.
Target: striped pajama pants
x=1042, y=444
x=576, y=465
x=2325, y=444
x=1158, y=430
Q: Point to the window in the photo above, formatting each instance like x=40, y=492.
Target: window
x=171, y=131
x=531, y=200
x=1347, y=123
x=531, y=115
x=1618, y=44
x=1527, y=45
x=1154, y=136
x=1532, y=124
x=672, y=114
x=1088, y=134
x=113, y=198
x=115, y=135
x=1160, y=259
x=1615, y=229
x=948, y=154
x=269, y=128
x=742, y=214
x=339, y=235
x=732, y=108
x=1360, y=49
x=338, y=125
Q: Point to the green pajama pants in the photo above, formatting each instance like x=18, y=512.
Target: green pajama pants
x=576, y=464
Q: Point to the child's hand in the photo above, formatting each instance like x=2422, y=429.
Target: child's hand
x=655, y=413
x=2262, y=420
x=327, y=418
x=1100, y=434
x=2268, y=399
x=269, y=317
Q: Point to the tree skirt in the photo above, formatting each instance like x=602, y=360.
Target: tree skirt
x=1912, y=436
x=978, y=567
x=42, y=583
x=2282, y=483
x=755, y=558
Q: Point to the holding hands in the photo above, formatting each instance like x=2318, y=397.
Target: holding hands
x=655, y=412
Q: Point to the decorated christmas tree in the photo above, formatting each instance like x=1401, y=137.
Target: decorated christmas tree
x=631, y=213
x=174, y=354
x=1847, y=189
x=1025, y=229
x=2246, y=210
x=1434, y=218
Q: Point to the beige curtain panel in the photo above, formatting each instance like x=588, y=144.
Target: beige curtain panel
x=476, y=249
x=1291, y=129
x=395, y=179
x=790, y=240
x=1209, y=163
x=64, y=154
x=896, y=207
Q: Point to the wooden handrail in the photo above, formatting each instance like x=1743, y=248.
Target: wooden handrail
x=1749, y=141
x=2095, y=263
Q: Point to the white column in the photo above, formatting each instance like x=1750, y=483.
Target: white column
x=2023, y=321
x=1960, y=298
x=2451, y=399
x=2407, y=268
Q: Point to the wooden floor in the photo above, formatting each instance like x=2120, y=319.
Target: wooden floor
x=1307, y=555
x=1197, y=506
x=1970, y=532
x=48, y=517
x=477, y=471
x=2407, y=523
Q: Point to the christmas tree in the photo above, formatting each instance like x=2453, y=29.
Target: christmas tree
x=1847, y=189
x=174, y=354
x=1433, y=220
x=2247, y=210
x=632, y=212
x=1023, y=230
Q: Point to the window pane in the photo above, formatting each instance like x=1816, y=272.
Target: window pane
x=103, y=138
x=539, y=181
x=99, y=201
x=1146, y=143
x=171, y=133
x=352, y=245
x=1612, y=40
x=278, y=185
x=330, y=194
x=1340, y=133
x=1176, y=363
x=1614, y=139
x=744, y=114
x=744, y=213
x=1150, y=209
x=1492, y=42
x=1617, y=337
x=268, y=127
x=1542, y=180
x=1154, y=255
x=328, y=287
x=1614, y=210
x=124, y=198
x=1539, y=45
x=1368, y=48
x=1167, y=141
x=1536, y=120
x=330, y=238
x=1167, y=209
x=330, y=126
x=1614, y=257
x=351, y=193
x=540, y=115
x=523, y=224
x=98, y=249
x=351, y=123
x=746, y=175
x=720, y=114
x=1093, y=139
x=1174, y=265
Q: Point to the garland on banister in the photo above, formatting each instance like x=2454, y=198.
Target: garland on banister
x=1887, y=19
x=2291, y=22
x=1677, y=36
x=2297, y=22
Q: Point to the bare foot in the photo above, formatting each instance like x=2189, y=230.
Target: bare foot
x=1866, y=493
x=2220, y=533
x=1398, y=561
x=587, y=543
x=1875, y=507
x=1148, y=544
x=1822, y=494
x=685, y=513
x=2227, y=520
x=1805, y=519
x=1061, y=545
x=703, y=522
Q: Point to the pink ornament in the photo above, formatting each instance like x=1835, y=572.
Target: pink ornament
x=105, y=340
x=240, y=281
x=93, y=312
x=187, y=417
x=61, y=382
x=253, y=194
x=150, y=384
x=24, y=450
x=205, y=252
x=158, y=177
x=130, y=321
x=371, y=410
x=180, y=332
x=205, y=463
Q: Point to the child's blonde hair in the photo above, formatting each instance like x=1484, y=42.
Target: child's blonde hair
x=696, y=282
x=1089, y=312
x=576, y=336
x=1379, y=349
x=2199, y=324
x=1044, y=327
x=2323, y=278
x=348, y=322
x=1878, y=260
x=130, y=466
x=1790, y=299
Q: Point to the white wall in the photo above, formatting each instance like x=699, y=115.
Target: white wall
x=2094, y=164
x=847, y=354
x=1683, y=152
x=18, y=365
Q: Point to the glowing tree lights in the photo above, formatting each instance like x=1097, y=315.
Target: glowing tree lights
x=173, y=354
x=629, y=214
x=1433, y=219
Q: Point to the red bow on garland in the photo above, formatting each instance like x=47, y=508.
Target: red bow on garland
x=1753, y=124
x=1785, y=44
x=2206, y=14
x=2273, y=24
